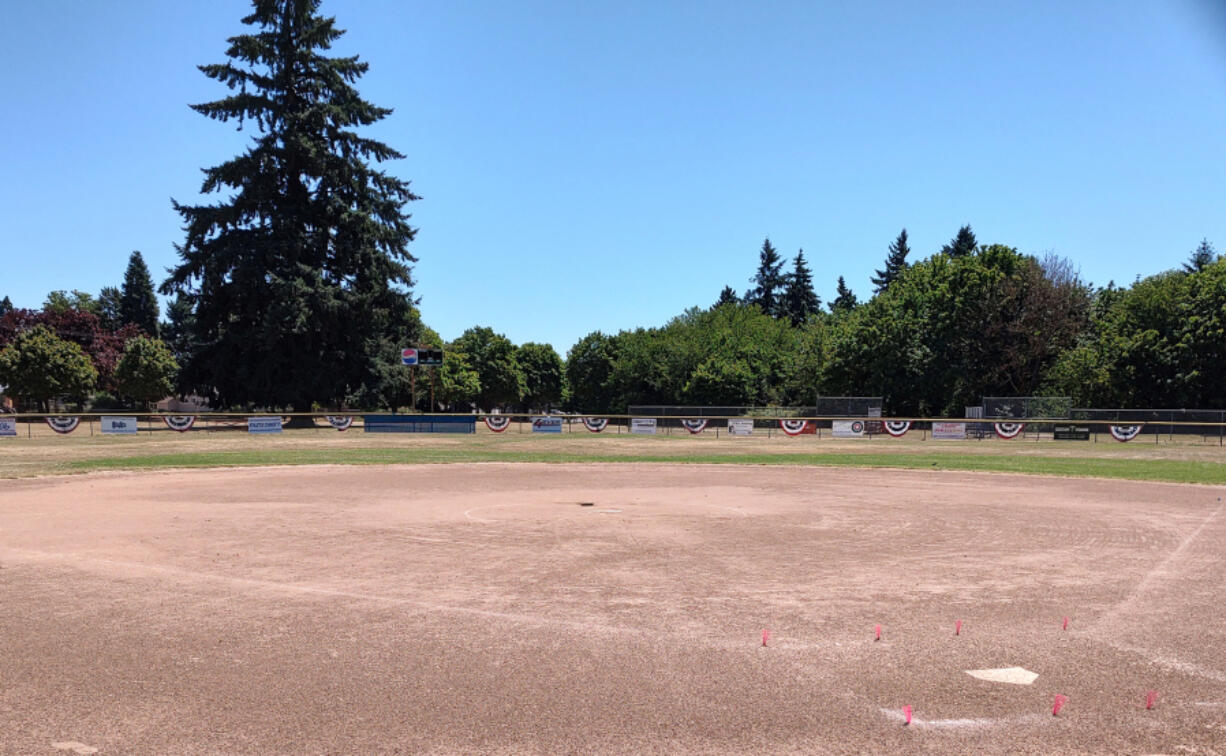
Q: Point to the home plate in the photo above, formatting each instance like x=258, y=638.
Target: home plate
x=1014, y=675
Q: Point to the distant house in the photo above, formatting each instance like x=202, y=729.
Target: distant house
x=192, y=404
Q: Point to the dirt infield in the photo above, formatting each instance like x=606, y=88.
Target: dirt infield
x=462, y=608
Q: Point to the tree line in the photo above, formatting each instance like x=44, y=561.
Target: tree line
x=294, y=290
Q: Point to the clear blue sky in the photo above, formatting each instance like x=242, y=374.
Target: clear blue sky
x=604, y=165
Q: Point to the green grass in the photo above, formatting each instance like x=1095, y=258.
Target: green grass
x=1164, y=470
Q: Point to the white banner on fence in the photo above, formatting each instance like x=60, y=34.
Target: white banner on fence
x=740, y=426
x=848, y=428
x=643, y=425
x=119, y=425
x=8, y=426
x=546, y=425
x=949, y=431
x=263, y=425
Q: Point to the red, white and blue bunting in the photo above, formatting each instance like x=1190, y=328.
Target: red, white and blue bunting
x=595, y=424
x=63, y=424
x=180, y=423
x=1008, y=430
x=1124, y=432
x=497, y=423
x=897, y=428
x=340, y=422
x=793, y=427
x=693, y=424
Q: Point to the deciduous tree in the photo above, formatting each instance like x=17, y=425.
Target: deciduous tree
x=38, y=366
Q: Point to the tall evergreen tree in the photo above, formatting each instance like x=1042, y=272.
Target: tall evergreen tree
x=768, y=281
x=137, y=302
x=844, y=300
x=300, y=281
x=962, y=244
x=727, y=296
x=110, y=307
x=1203, y=255
x=177, y=329
x=6, y=306
x=799, y=299
x=895, y=264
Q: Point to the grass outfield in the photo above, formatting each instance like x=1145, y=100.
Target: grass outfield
x=1165, y=462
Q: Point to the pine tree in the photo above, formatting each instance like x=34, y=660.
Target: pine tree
x=1203, y=255
x=6, y=306
x=110, y=308
x=177, y=329
x=895, y=264
x=962, y=244
x=769, y=281
x=845, y=300
x=727, y=296
x=137, y=302
x=799, y=299
x=299, y=283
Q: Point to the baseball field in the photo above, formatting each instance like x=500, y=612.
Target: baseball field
x=323, y=592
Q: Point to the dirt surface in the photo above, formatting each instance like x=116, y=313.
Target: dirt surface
x=465, y=608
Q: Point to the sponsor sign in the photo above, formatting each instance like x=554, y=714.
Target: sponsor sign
x=949, y=431
x=264, y=425
x=848, y=428
x=1071, y=433
x=740, y=426
x=546, y=425
x=119, y=425
x=408, y=356
x=643, y=425
x=419, y=423
x=8, y=426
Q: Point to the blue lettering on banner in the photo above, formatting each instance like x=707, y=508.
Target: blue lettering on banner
x=546, y=425
x=8, y=427
x=264, y=425
x=419, y=423
x=118, y=425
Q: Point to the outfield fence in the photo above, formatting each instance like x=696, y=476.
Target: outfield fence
x=1091, y=425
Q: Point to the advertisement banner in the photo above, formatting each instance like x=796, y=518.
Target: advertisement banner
x=264, y=425
x=8, y=426
x=126, y=426
x=848, y=428
x=1071, y=433
x=643, y=425
x=740, y=426
x=546, y=425
x=949, y=431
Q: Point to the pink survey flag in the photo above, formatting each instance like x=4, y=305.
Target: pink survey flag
x=906, y=712
x=766, y=636
x=1065, y=623
x=1151, y=698
x=1058, y=704
x=878, y=630
x=958, y=627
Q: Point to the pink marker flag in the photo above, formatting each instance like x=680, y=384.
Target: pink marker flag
x=906, y=712
x=1059, y=703
x=1151, y=698
x=878, y=629
x=766, y=636
x=1066, y=623
x=958, y=627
